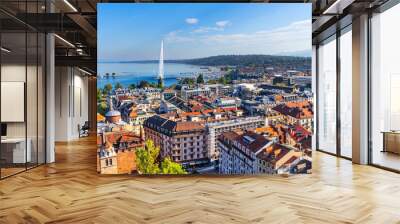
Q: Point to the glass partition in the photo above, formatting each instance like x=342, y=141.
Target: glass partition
x=22, y=88
x=385, y=89
x=346, y=93
x=14, y=155
x=326, y=99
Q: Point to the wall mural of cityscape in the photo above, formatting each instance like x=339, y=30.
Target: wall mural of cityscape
x=210, y=88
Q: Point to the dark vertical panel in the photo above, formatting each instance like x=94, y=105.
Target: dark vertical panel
x=26, y=86
x=73, y=91
x=316, y=96
x=80, y=102
x=37, y=91
x=1, y=165
x=338, y=72
x=369, y=37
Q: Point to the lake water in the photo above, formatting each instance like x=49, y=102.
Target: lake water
x=128, y=73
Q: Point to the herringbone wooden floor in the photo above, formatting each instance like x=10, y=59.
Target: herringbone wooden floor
x=70, y=191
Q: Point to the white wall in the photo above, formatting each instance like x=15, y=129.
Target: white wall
x=71, y=102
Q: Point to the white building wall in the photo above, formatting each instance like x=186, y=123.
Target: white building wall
x=71, y=102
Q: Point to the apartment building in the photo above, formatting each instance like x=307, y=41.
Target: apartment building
x=297, y=113
x=117, y=152
x=187, y=93
x=182, y=141
x=238, y=152
x=215, y=129
x=251, y=153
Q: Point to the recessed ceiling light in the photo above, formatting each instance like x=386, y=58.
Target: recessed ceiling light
x=70, y=5
x=84, y=71
x=64, y=40
x=5, y=50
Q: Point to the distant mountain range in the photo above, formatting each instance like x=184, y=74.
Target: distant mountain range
x=239, y=60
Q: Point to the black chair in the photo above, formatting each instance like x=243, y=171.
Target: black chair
x=84, y=130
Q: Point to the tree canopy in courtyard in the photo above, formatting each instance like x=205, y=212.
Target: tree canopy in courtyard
x=146, y=161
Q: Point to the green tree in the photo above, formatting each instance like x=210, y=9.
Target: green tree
x=99, y=94
x=102, y=108
x=146, y=161
x=144, y=84
x=222, y=80
x=187, y=81
x=169, y=167
x=200, y=79
x=132, y=86
x=118, y=86
x=212, y=81
x=107, y=88
x=160, y=84
x=146, y=158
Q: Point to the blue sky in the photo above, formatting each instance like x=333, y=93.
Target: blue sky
x=194, y=30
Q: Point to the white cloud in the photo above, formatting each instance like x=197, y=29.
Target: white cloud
x=192, y=21
x=291, y=38
x=220, y=26
x=175, y=37
x=293, y=34
x=206, y=29
x=223, y=23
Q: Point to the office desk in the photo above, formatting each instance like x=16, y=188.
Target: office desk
x=13, y=150
x=391, y=141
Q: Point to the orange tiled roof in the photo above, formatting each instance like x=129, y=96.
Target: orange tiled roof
x=299, y=110
x=169, y=90
x=278, y=98
x=193, y=113
x=133, y=114
x=171, y=125
x=267, y=130
x=258, y=142
x=120, y=136
x=197, y=108
x=188, y=126
x=230, y=109
x=100, y=117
